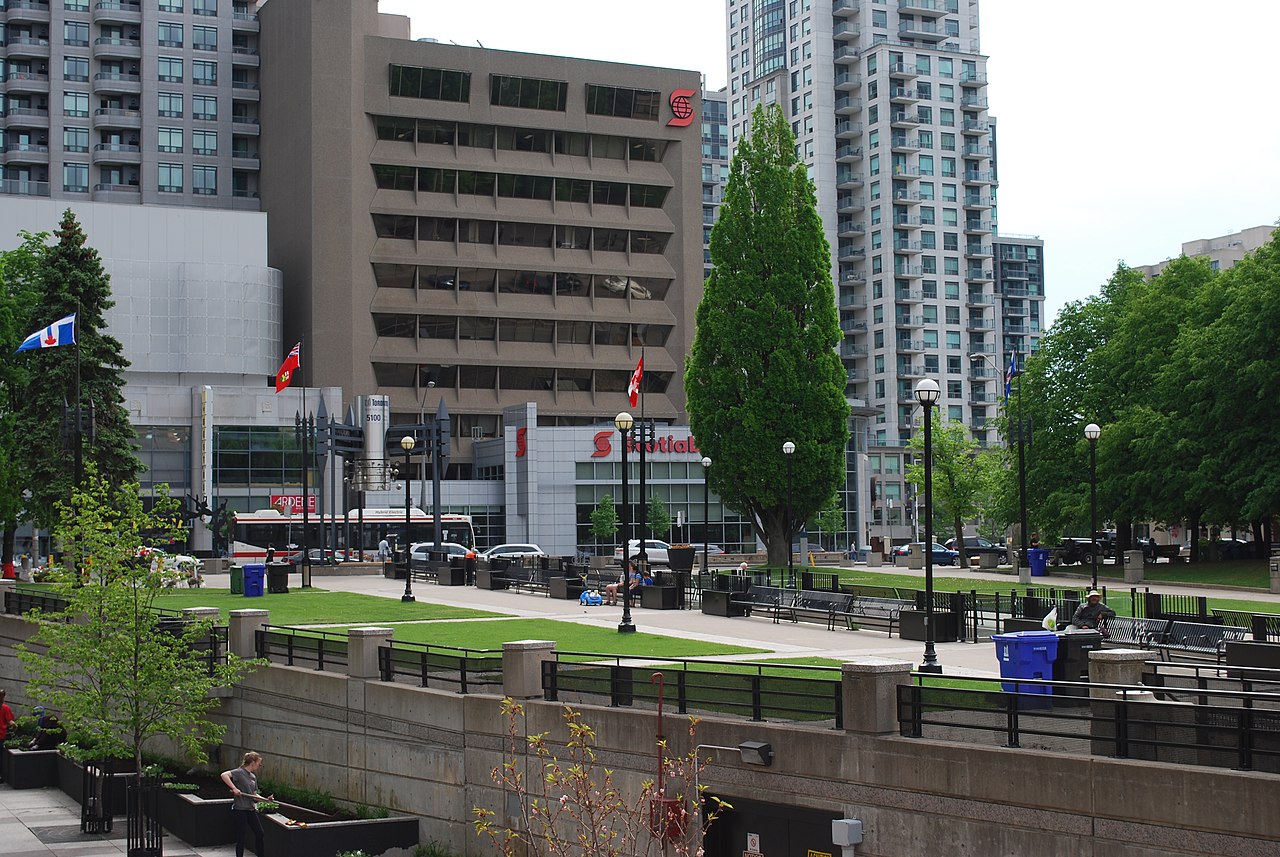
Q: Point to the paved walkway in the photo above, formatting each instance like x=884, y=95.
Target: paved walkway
x=46, y=823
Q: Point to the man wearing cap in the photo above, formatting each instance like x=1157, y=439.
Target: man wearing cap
x=1092, y=612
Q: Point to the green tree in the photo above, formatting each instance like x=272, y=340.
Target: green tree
x=829, y=519
x=964, y=475
x=17, y=295
x=116, y=679
x=658, y=519
x=763, y=368
x=70, y=279
x=604, y=520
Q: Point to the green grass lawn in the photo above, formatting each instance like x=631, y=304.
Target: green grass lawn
x=317, y=606
x=568, y=637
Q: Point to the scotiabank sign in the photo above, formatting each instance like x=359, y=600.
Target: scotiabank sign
x=669, y=445
x=291, y=504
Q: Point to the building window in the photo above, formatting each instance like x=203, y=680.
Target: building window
x=169, y=35
x=204, y=38
x=204, y=142
x=205, y=7
x=170, y=6
x=75, y=104
x=440, y=84
x=204, y=107
x=170, y=140
x=75, y=68
x=75, y=178
x=75, y=139
x=622, y=101
x=76, y=33
x=529, y=92
x=170, y=105
x=169, y=69
x=204, y=180
x=204, y=72
x=170, y=178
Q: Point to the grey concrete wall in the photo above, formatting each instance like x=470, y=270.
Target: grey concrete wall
x=429, y=752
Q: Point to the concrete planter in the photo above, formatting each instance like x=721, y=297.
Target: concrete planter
x=30, y=769
x=196, y=821
x=323, y=838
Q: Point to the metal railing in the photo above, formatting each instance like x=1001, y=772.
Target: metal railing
x=291, y=646
x=469, y=670
x=757, y=690
x=1228, y=729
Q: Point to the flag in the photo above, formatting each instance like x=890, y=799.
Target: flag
x=633, y=387
x=285, y=376
x=61, y=332
x=1009, y=375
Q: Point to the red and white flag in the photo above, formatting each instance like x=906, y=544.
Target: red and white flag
x=633, y=387
x=285, y=376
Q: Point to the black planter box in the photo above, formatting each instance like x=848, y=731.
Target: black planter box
x=490, y=579
x=393, y=570
x=716, y=602
x=567, y=588
x=71, y=781
x=30, y=769
x=681, y=559
x=325, y=838
x=199, y=823
x=946, y=626
x=660, y=597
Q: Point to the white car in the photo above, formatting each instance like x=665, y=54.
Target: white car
x=419, y=551
x=514, y=551
x=655, y=551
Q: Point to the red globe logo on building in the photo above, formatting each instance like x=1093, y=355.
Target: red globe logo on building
x=681, y=107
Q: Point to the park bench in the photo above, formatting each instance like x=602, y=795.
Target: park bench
x=1134, y=632
x=1198, y=639
x=878, y=612
x=763, y=599
x=815, y=605
x=1173, y=553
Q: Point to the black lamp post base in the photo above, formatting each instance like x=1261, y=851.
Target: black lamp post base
x=407, y=598
x=928, y=667
x=626, y=628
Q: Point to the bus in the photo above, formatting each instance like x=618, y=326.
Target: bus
x=255, y=531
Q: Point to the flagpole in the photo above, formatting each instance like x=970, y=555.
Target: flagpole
x=644, y=500
x=79, y=455
x=1022, y=471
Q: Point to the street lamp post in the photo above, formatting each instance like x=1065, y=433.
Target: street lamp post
x=927, y=393
x=787, y=449
x=706, y=511
x=624, y=422
x=1093, y=431
x=406, y=443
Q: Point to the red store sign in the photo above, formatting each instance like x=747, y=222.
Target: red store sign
x=291, y=504
x=668, y=445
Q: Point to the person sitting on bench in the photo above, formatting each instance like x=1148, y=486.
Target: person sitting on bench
x=1091, y=613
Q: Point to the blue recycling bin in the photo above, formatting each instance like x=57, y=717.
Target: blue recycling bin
x=1029, y=655
x=255, y=576
x=1038, y=559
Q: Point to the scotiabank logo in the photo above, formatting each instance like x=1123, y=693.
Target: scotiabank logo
x=681, y=107
x=669, y=444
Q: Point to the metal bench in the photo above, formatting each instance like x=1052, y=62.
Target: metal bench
x=816, y=605
x=766, y=599
x=881, y=612
x=1130, y=631
x=1195, y=638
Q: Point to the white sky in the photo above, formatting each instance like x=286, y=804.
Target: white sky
x=1126, y=127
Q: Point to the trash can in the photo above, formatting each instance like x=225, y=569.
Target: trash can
x=254, y=578
x=1038, y=559
x=1072, y=662
x=237, y=580
x=1029, y=655
x=278, y=578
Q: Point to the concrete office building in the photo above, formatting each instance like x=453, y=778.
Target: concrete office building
x=484, y=227
x=889, y=106
x=131, y=102
x=1222, y=252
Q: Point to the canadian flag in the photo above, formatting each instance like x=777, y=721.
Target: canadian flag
x=633, y=387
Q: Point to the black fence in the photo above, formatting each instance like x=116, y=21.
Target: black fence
x=21, y=600
x=756, y=690
x=1213, y=728
x=282, y=644
x=467, y=670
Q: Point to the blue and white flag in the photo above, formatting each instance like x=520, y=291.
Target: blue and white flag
x=61, y=332
x=1009, y=375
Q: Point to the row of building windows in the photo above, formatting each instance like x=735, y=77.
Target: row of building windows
x=473, y=328
x=514, y=233
x=515, y=378
x=516, y=186
x=169, y=178
x=392, y=275
x=502, y=137
x=530, y=93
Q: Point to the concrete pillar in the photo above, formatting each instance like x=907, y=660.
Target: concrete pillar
x=522, y=667
x=871, y=695
x=1024, y=574
x=1116, y=666
x=6, y=585
x=210, y=614
x=1275, y=576
x=362, y=651
x=1133, y=567
x=242, y=627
